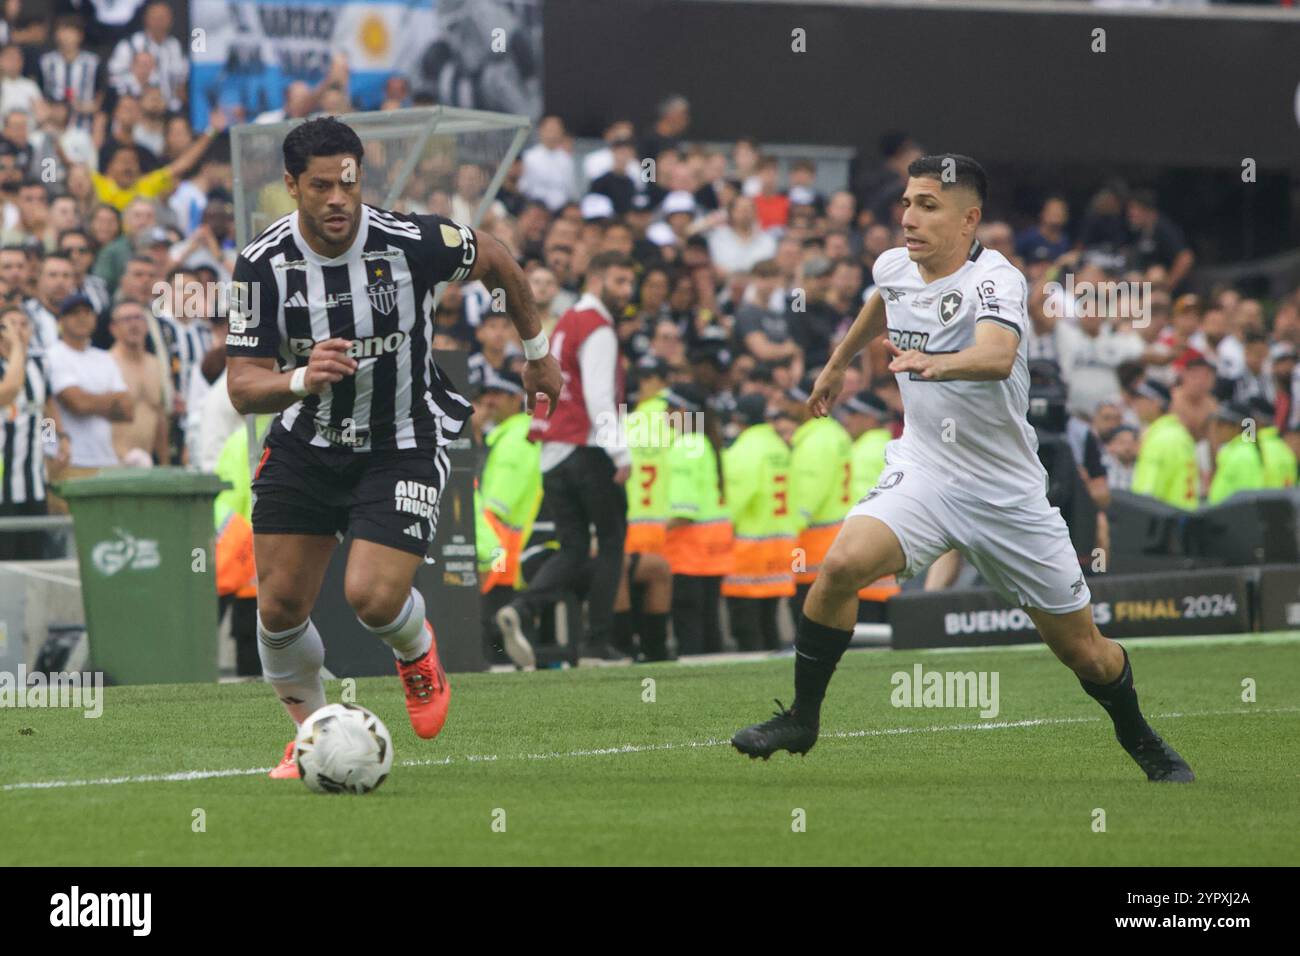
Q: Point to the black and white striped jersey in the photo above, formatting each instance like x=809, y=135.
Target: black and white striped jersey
x=72, y=83
x=187, y=343
x=286, y=298
x=22, y=438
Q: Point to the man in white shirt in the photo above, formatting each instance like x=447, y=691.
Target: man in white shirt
x=17, y=92
x=89, y=388
x=171, y=63
x=740, y=244
x=1090, y=353
x=548, y=167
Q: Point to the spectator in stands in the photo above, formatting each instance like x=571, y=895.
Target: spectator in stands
x=771, y=205
x=1121, y=454
x=618, y=182
x=90, y=391
x=139, y=216
x=142, y=439
x=18, y=92
x=600, y=161
x=33, y=216
x=549, y=171
x=71, y=75
x=171, y=64
x=1090, y=352
x=812, y=317
x=740, y=243
x=123, y=180
x=674, y=118
x=1047, y=240
x=55, y=281
x=1154, y=240
x=26, y=406
x=1216, y=342
x=1166, y=467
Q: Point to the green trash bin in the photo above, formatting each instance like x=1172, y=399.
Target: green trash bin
x=145, y=544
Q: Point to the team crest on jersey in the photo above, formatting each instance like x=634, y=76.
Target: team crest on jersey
x=949, y=304
x=383, y=296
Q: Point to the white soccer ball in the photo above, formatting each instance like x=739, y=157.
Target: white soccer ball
x=343, y=748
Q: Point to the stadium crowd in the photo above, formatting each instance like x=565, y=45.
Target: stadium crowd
x=116, y=225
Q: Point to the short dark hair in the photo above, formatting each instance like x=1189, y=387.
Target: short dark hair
x=323, y=136
x=610, y=260
x=964, y=172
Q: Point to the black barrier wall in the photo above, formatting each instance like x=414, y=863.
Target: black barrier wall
x=1168, y=90
x=1147, y=605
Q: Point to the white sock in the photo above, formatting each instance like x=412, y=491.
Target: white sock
x=291, y=661
x=406, y=635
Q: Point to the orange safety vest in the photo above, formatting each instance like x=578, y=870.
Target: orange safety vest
x=760, y=568
x=512, y=541
x=701, y=548
x=648, y=537
x=236, y=569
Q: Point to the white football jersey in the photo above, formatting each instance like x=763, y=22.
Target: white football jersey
x=973, y=435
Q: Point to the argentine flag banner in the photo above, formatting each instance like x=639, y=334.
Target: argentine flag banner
x=246, y=52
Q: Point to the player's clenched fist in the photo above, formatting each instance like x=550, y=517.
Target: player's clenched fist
x=329, y=363
x=543, y=376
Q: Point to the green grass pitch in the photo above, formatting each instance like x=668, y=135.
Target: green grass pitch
x=586, y=771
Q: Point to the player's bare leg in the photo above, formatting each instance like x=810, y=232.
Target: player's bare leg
x=377, y=584
x=864, y=551
x=944, y=571
x=290, y=569
x=1103, y=669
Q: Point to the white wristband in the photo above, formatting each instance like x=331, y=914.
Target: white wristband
x=536, y=347
x=298, y=381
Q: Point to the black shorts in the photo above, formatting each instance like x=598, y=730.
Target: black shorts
x=389, y=497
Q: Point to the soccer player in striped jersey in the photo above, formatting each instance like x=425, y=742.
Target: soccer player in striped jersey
x=330, y=327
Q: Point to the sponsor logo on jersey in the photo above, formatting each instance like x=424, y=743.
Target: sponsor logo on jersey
x=382, y=254
x=415, y=498
x=244, y=341
x=893, y=295
x=370, y=347
x=296, y=301
x=291, y=264
x=905, y=340
x=333, y=301
x=949, y=304
x=988, y=297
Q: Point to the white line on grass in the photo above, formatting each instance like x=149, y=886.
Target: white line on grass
x=186, y=775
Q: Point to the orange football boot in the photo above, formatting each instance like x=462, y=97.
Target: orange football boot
x=288, y=767
x=428, y=694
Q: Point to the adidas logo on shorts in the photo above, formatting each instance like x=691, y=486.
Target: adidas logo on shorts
x=415, y=531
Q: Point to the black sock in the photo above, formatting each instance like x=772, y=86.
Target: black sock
x=1119, y=698
x=818, y=649
x=624, y=630
x=654, y=636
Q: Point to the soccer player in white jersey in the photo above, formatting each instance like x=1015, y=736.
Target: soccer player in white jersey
x=330, y=327
x=965, y=474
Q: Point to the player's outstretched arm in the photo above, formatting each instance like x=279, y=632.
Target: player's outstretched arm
x=498, y=270
x=869, y=324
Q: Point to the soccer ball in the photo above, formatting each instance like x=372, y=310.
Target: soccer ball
x=343, y=748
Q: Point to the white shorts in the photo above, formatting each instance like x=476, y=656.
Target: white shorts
x=1023, y=552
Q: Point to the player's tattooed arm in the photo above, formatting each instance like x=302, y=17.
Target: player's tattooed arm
x=990, y=359
x=497, y=269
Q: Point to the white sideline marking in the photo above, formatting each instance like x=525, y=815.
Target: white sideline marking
x=186, y=775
